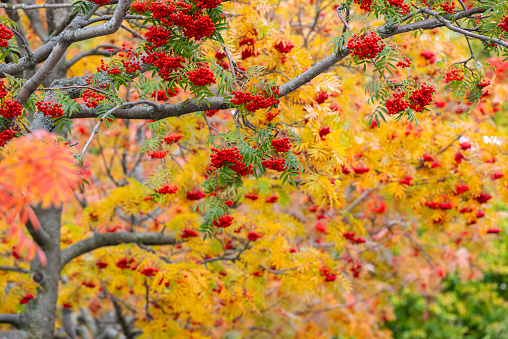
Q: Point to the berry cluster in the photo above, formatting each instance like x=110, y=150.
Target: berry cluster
x=252, y=196
x=284, y=47
x=448, y=6
x=140, y=7
x=157, y=37
x=327, y=273
x=366, y=45
x=10, y=109
x=109, y=69
x=195, y=195
x=186, y=233
x=230, y=156
x=497, y=175
x=398, y=104
x=429, y=56
x=5, y=35
x=271, y=115
x=128, y=61
x=281, y=145
x=167, y=66
x=272, y=199
x=356, y=269
x=3, y=90
x=26, y=298
x=461, y=189
x=5, y=136
x=493, y=231
x=404, y=64
x=92, y=98
x=324, y=131
x=403, y=8
x=350, y=236
x=163, y=96
x=484, y=83
x=406, y=181
x=360, y=170
x=322, y=97
x=454, y=75
x=173, y=138
x=208, y=3
x=49, y=108
x=211, y=112
x=149, y=271
x=248, y=50
x=100, y=2
x=224, y=221
x=503, y=25
x=253, y=236
x=276, y=164
x=253, y=103
x=195, y=25
x=364, y=4
x=421, y=97
x=158, y=155
x=168, y=189
x=483, y=198
x=201, y=76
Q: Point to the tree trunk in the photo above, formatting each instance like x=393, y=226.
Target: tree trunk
x=39, y=319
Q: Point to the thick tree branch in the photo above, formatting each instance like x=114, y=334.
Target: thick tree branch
x=113, y=239
x=12, y=319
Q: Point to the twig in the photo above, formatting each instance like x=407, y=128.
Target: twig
x=96, y=127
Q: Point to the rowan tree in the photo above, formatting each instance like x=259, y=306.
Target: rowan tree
x=260, y=168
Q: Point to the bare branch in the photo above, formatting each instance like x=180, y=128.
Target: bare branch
x=14, y=269
x=113, y=239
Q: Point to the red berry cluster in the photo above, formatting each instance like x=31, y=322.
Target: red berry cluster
x=195, y=195
x=404, y=64
x=158, y=155
x=350, y=236
x=483, y=198
x=253, y=236
x=224, y=221
x=10, y=109
x=112, y=70
x=366, y=45
x=252, y=196
x=167, y=189
x=406, y=181
x=201, y=76
x=163, y=96
x=364, y=4
x=360, y=170
x=429, y=56
x=356, y=269
x=493, y=231
x=255, y=102
x=454, y=75
x=100, y=2
x=448, y=6
x=281, y=145
x=324, y=131
x=5, y=136
x=276, y=164
x=327, y=273
x=3, y=90
x=173, y=138
x=128, y=61
x=398, y=104
x=26, y=298
x=230, y=156
x=248, y=50
x=167, y=66
x=271, y=115
x=404, y=9
x=208, y=3
x=484, y=83
x=49, y=108
x=503, y=25
x=157, y=37
x=211, y=112
x=5, y=35
x=92, y=98
x=497, y=175
x=284, y=47
x=272, y=199
x=149, y=271
x=186, y=233
x=195, y=25
x=421, y=97
x=140, y=7
x=322, y=97
x=461, y=189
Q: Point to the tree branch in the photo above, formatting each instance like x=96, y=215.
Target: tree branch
x=12, y=319
x=113, y=239
x=14, y=269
